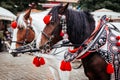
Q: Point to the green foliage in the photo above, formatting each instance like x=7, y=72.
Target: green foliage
x=21, y=5
x=92, y=5
x=18, y=5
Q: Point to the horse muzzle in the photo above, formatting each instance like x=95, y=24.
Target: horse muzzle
x=45, y=49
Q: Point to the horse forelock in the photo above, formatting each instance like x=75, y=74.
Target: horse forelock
x=55, y=13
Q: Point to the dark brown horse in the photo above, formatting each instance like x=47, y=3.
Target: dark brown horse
x=77, y=27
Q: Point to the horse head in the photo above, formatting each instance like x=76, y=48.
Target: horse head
x=23, y=32
x=64, y=23
x=50, y=34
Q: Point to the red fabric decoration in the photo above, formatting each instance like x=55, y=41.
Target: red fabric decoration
x=36, y=61
x=118, y=44
x=118, y=37
x=65, y=66
x=14, y=24
x=61, y=33
x=73, y=51
x=41, y=61
x=47, y=19
x=110, y=68
x=85, y=55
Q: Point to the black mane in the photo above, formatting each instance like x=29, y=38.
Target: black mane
x=80, y=24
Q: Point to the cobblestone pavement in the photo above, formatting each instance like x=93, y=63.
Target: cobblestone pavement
x=21, y=68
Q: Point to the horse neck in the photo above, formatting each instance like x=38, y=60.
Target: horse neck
x=37, y=22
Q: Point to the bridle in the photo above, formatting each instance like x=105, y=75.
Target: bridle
x=24, y=42
x=47, y=46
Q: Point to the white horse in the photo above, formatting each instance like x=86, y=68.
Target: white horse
x=52, y=59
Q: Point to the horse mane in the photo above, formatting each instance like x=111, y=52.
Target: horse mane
x=80, y=24
x=20, y=21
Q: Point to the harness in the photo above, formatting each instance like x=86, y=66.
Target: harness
x=102, y=41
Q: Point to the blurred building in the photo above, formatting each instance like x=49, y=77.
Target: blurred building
x=52, y=3
x=114, y=16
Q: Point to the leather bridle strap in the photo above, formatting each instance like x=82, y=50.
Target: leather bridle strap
x=45, y=35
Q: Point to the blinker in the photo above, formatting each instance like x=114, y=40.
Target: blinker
x=14, y=24
x=47, y=19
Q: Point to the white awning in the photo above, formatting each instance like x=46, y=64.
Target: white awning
x=6, y=14
x=99, y=13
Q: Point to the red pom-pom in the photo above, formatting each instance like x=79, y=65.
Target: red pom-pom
x=68, y=66
x=118, y=44
x=47, y=19
x=110, y=68
x=61, y=33
x=65, y=66
x=41, y=60
x=14, y=24
x=36, y=61
x=118, y=37
x=62, y=66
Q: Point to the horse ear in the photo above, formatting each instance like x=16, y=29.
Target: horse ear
x=63, y=8
x=27, y=15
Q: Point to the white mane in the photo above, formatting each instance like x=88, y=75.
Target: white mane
x=20, y=22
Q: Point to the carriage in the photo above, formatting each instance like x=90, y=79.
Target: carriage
x=98, y=48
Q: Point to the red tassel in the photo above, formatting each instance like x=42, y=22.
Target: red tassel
x=62, y=66
x=61, y=33
x=110, y=68
x=47, y=19
x=118, y=44
x=68, y=66
x=65, y=66
x=118, y=37
x=41, y=61
x=36, y=61
x=14, y=24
